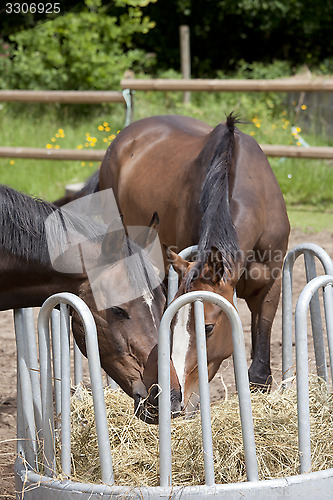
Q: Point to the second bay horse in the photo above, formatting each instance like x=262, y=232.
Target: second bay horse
x=213, y=187
x=128, y=330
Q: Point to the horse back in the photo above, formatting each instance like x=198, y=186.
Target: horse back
x=150, y=166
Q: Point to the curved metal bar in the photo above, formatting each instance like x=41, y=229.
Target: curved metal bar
x=77, y=365
x=56, y=359
x=207, y=439
x=95, y=376
x=26, y=404
x=302, y=369
x=317, y=329
x=287, y=308
x=65, y=391
x=241, y=375
x=30, y=340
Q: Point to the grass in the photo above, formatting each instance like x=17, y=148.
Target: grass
x=306, y=184
x=309, y=219
x=47, y=178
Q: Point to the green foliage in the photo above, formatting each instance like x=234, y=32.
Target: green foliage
x=225, y=31
x=85, y=50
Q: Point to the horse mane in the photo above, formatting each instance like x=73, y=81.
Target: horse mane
x=141, y=272
x=216, y=227
x=22, y=226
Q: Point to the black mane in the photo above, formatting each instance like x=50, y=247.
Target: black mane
x=22, y=226
x=217, y=228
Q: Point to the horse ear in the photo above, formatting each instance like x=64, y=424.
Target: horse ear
x=215, y=265
x=148, y=235
x=114, y=240
x=179, y=264
x=155, y=222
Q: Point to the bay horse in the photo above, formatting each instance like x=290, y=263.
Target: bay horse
x=127, y=332
x=213, y=187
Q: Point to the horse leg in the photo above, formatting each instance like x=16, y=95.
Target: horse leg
x=263, y=305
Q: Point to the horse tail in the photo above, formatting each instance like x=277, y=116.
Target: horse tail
x=216, y=227
x=91, y=186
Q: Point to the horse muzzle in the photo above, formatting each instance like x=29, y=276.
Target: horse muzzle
x=146, y=404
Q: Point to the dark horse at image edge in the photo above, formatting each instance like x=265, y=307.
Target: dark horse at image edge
x=128, y=335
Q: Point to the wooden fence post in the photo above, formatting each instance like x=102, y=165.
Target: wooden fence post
x=185, y=57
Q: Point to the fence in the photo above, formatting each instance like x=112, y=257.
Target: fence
x=35, y=410
x=184, y=85
x=68, y=97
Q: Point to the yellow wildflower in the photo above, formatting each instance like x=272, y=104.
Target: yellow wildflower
x=100, y=127
x=298, y=129
x=111, y=137
x=252, y=132
x=57, y=146
x=298, y=143
x=60, y=130
x=118, y=132
x=12, y=162
x=91, y=164
x=53, y=139
x=304, y=106
x=107, y=129
x=57, y=135
x=79, y=146
x=105, y=124
x=284, y=113
x=87, y=144
x=83, y=164
x=105, y=139
x=49, y=146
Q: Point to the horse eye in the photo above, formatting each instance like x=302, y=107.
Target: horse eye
x=119, y=311
x=209, y=329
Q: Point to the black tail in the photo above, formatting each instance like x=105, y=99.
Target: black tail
x=91, y=186
x=217, y=228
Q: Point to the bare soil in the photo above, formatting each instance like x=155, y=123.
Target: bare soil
x=223, y=380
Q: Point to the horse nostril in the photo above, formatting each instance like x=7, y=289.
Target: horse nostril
x=153, y=394
x=177, y=404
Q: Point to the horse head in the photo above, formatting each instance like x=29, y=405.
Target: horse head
x=127, y=300
x=210, y=276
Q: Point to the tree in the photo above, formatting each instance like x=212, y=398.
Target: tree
x=89, y=49
x=224, y=32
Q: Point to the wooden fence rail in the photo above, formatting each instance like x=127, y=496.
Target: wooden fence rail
x=130, y=84
x=206, y=85
x=98, y=154
x=62, y=96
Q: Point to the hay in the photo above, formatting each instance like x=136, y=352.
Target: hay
x=134, y=444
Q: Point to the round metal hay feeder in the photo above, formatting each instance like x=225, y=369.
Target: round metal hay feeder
x=35, y=409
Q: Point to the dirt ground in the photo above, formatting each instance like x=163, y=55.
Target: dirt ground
x=223, y=379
